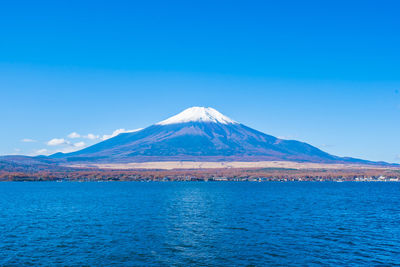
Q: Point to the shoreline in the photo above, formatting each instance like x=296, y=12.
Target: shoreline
x=191, y=165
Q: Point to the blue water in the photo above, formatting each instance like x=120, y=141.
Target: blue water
x=199, y=224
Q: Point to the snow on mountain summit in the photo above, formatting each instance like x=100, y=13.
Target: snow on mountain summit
x=198, y=114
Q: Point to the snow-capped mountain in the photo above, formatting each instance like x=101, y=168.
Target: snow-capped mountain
x=198, y=114
x=199, y=134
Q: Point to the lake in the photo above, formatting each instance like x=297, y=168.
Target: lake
x=199, y=224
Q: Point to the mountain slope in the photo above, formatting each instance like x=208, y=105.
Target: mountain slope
x=200, y=134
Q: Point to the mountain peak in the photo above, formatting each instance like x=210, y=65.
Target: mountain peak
x=200, y=134
x=198, y=114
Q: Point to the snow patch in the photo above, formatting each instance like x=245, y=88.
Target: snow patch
x=198, y=114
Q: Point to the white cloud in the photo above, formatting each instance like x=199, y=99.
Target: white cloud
x=27, y=140
x=67, y=146
x=57, y=142
x=79, y=144
x=67, y=149
x=42, y=151
x=74, y=135
x=117, y=132
x=92, y=136
x=16, y=151
x=286, y=137
x=46, y=152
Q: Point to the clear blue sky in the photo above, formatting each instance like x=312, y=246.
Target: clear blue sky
x=324, y=72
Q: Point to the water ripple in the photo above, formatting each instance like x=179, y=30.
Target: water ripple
x=199, y=224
